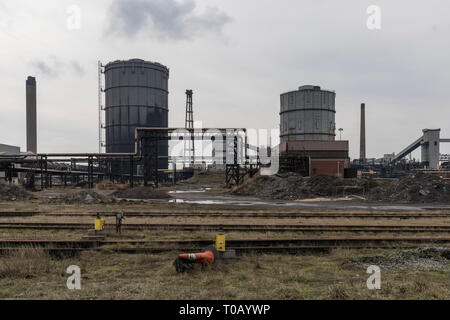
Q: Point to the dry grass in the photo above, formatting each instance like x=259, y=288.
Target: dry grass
x=139, y=276
x=32, y=274
x=24, y=262
x=338, y=291
x=164, y=234
x=169, y=234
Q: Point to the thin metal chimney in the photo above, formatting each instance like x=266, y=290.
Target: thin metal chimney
x=189, y=124
x=362, y=139
x=31, y=115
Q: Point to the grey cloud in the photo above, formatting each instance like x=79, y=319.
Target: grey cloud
x=169, y=19
x=54, y=67
x=77, y=68
x=45, y=67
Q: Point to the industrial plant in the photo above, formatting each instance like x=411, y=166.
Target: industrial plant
x=150, y=198
x=134, y=139
x=224, y=159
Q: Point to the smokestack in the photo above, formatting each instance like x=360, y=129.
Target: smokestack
x=362, y=139
x=31, y=115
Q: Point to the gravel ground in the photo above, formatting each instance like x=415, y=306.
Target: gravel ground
x=292, y=186
x=417, y=187
x=432, y=258
x=81, y=197
x=141, y=193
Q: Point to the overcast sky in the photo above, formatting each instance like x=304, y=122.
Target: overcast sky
x=237, y=56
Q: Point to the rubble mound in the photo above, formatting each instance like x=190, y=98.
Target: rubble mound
x=206, y=177
x=416, y=187
x=141, y=193
x=85, y=197
x=10, y=192
x=322, y=185
x=293, y=186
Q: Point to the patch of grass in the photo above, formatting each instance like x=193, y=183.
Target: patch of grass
x=25, y=262
x=338, y=291
x=140, y=276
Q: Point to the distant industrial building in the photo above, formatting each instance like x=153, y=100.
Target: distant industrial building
x=6, y=149
x=308, y=131
x=430, y=148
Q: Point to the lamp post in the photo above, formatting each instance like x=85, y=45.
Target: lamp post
x=340, y=133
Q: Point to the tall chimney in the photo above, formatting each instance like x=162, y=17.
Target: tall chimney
x=31, y=115
x=362, y=139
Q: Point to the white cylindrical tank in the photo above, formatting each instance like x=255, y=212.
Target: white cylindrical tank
x=307, y=114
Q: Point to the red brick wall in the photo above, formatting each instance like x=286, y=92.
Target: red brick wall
x=333, y=167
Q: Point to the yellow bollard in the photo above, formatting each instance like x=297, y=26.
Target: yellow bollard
x=220, y=242
x=99, y=224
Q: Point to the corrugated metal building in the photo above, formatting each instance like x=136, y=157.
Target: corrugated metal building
x=6, y=149
x=136, y=95
x=307, y=114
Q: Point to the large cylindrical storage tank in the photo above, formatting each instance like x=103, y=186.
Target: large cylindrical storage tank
x=136, y=95
x=307, y=114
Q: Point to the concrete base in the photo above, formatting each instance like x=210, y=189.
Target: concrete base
x=226, y=257
x=219, y=256
x=98, y=233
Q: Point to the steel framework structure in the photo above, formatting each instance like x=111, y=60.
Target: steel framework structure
x=189, y=147
x=99, y=165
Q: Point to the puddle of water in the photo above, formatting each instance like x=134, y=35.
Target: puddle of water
x=297, y=204
x=399, y=208
x=189, y=191
x=248, y=203
x=136, y=200
x=404, y=208
x=240, y=203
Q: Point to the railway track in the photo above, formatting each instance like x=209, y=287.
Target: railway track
x=239, y=214
x=238, y=227
x=241, y=246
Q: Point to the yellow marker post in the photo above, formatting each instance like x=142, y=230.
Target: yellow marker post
x=220, y=242
x=99, y=224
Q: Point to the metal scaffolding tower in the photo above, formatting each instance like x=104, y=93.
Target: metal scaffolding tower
x=101, y=109
x=189, y=124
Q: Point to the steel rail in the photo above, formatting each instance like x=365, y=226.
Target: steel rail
x=237, y=214
x=234, y=227
x=324, y=241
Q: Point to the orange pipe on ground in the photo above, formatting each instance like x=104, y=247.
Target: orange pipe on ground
x=205, y=258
